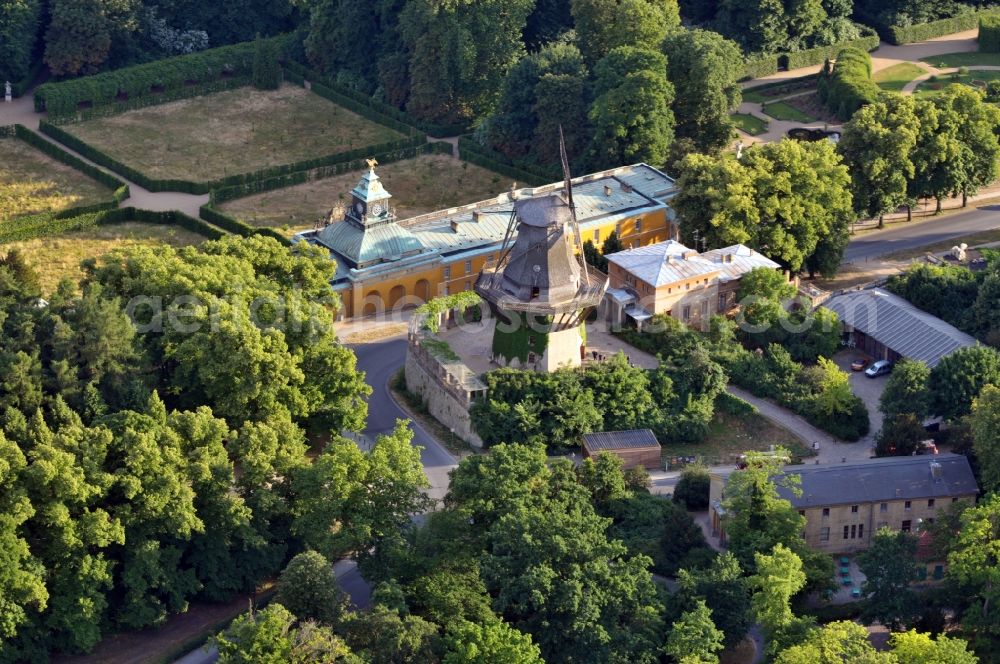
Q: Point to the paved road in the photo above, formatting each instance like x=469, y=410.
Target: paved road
x=915, y=234
x=380, y=361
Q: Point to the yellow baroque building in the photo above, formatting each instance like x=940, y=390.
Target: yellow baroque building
x=386, y=264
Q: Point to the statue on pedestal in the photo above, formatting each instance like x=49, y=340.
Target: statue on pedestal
x=7, y=94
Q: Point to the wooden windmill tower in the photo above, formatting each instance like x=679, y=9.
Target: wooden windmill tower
x=540, y=289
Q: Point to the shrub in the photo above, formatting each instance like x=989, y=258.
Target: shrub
x=733, y=405
x=989, y=33
x=692, y=488
x=850, y=85
x=759, y=66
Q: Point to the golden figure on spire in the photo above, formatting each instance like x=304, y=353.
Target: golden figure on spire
x=372, y=163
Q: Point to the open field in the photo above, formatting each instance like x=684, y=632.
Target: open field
x=783, y=110
x=894, y=78
x=31, y=182
x=749, y=123
x=970, y=59
x=732, y=435
x=419, y=185
x=57, y=257
x=230, y=132
x=930, y=88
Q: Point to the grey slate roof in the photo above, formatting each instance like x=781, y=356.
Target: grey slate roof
x=882, y=480
x=898, y=325
x=633, y=439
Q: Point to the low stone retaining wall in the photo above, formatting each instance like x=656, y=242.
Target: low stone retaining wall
x=442, y=391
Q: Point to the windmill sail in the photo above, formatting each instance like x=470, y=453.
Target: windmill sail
x=572, y=207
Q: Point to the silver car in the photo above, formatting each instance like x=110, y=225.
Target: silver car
x=879, y=368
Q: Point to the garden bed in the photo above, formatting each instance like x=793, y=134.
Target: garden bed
x=236, y=131
x=785, y=110
x=749, y=123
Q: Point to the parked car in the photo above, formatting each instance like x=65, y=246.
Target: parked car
x=879, y=368
x=859, y=364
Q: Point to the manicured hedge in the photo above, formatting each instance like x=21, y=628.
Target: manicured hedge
x=760, y=66
x=850, y=85
x=989, y=33
x=479, y=155
x=8, y=131
x=146, y=79
x=185, y=186
x=365, y=101
x=905, y=34
x=233, y=225
x=816, y=56
x=119, y=107
x=44, y=225
x=765, y=65
x=362, y=109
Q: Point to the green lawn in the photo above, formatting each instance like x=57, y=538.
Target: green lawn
x=780, y=110
x=749, y=123
x=732, y=435
x=970, y=59
x=931, y=88
x=896, y=77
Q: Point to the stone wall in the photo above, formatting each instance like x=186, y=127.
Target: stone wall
x=428, y=378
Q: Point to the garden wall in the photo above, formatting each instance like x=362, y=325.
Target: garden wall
x=426, y=378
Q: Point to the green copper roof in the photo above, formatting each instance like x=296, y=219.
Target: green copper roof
x=370, y=188
x=364, y=246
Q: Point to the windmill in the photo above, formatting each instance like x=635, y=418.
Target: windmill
x=540, y=289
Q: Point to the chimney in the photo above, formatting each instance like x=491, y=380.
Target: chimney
x=689, y=254
x=454, y=225
x=626, y=187
x=729, y=258
x=607, y=190
x=475, y=216
x=935, y=470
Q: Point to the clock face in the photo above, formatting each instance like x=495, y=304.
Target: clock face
x=377, y=209
x=359, y=207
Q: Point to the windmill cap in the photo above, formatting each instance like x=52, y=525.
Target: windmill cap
x=543, y=211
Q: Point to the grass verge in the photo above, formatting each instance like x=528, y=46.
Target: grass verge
x=896, y=77
x=931, y=88
x=31, y=183
x=781, y=110
x=414, y=406
x=208, y=137
x=749, y=123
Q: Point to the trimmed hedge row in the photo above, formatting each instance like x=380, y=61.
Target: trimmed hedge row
x=765, y=65
x=185, y=186
x=233, y=225
x=364, y=110
x=479, y=155
x=315, y=78
x=850, y=85
x=989, y=33
x=905, y=34
x=816, y=56
x=143, y=80
x=119, y=107
x=8, y=131
x=35, y=226
x=223, y=194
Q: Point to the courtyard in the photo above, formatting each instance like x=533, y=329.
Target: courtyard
x=31, y=183
x=419, y=185
x=226, y=133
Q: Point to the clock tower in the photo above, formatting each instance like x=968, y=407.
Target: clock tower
x=370, y=200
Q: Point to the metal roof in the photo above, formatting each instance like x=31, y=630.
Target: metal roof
x=882, y=480
x=600, y=198
x=898, y=325
x=668, y=262
x=361, y=246
x=632, y=439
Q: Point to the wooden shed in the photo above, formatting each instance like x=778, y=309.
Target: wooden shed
x=636, y=447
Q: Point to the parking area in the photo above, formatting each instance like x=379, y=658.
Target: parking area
x=868, y=389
